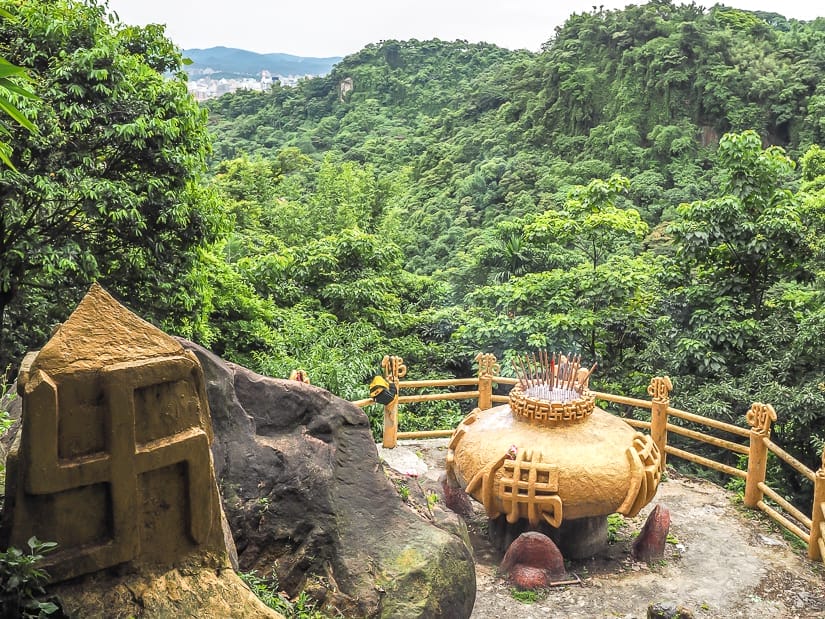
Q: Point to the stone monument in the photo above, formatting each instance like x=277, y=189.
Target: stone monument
x=113, y=463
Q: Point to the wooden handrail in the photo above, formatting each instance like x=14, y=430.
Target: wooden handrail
x=788, y=458
x=707, y=438
x=505, y=380
x=780, y=519
x=711, y=423
x=711, y=464
x=620, y=399
x=779, y=500
x=435, y=397
x=637, y=423
x=442, y=382
x=426, y=434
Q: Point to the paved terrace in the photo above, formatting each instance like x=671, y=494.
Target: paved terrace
x=728, y=561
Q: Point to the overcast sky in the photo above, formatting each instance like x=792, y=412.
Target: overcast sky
x=341, y=27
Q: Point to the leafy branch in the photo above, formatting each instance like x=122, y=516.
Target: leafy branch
x=22, y=582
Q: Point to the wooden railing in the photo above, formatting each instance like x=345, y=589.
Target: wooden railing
x=810, y=529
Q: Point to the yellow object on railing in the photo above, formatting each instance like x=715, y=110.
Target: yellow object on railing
x=394, y=370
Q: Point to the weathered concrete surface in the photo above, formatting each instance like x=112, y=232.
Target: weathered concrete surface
x=305, y=495
x=728, y=562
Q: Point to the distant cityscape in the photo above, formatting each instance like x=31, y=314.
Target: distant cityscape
x=216, y=71
x=208, y=87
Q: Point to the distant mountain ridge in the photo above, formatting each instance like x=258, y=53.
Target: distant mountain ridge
x=232, y=62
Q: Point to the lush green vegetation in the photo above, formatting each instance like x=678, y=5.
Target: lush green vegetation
x=649, y=190
x=23, y=581
x=107, y=188
x=267, y=590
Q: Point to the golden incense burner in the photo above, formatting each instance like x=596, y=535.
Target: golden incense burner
x=551, y=455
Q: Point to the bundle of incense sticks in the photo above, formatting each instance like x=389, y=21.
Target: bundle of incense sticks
x=553, y=376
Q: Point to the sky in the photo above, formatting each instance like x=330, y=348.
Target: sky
x=324, y=28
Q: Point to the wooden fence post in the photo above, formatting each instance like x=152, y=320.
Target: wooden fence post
x=760, y=416
x=659, y=390
x=487, y=368
x=394, y=369
x=816, y=546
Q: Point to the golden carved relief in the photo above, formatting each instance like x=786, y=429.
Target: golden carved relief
x=487, y=365
x=394, y=368
x=485, y=477
x=529, y=488
x=643, y=458
x=544, y=412
x=660, y=388
x=551, y=454
x=760, y=416
x=115, y=439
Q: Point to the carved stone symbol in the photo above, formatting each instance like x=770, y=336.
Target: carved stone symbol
x=528, y=484
x=487, y=365
x=394, y=368
x=113, y=459
x=660, y=388
x=643, y=458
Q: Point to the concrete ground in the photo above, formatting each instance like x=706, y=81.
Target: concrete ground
x=724, y=560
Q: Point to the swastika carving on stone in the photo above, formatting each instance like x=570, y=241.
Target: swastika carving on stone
x=113, y=459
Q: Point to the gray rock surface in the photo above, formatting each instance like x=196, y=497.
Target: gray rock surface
x=306, y=496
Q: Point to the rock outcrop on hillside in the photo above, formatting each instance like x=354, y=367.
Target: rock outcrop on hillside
x=306, y=496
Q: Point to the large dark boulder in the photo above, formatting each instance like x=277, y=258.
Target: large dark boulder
x=306, y=496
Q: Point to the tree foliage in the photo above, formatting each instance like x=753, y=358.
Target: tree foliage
x=106, y=188
x=12, y=87
x=629, y=192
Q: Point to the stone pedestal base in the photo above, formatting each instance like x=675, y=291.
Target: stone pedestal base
x=581, y=538
x=577, y=539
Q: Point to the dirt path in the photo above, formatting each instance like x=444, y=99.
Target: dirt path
x=728, y=561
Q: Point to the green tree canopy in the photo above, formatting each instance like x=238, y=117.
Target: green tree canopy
x=106, y=188
x=751, y=236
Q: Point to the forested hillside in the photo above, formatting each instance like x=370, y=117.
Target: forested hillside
x=649, y=190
